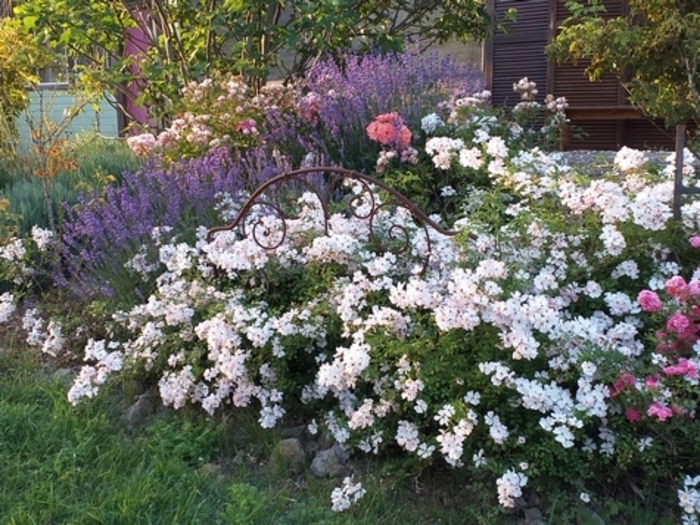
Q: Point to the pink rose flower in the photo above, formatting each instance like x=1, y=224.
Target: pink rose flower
x=678, y=323
x=247, y=126
x=695, y=241
x=694, y=288
x=652, y=382
x=676, y=285
x=388, y=129
x=623, y=380
x=680, y=411
x=649, y=301
x=682, y=368
x=633, y=415
x=659, y=411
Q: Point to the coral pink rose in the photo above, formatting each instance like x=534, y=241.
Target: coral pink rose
x=388, y=129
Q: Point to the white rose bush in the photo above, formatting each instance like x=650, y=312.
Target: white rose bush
x=554, y=339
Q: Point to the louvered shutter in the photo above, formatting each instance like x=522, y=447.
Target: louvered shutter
x=519, y=52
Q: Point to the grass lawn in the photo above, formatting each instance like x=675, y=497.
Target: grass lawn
x=61, y=464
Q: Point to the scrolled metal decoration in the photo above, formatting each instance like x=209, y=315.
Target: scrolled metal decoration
x=269, y=195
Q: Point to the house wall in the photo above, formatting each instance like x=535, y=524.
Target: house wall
x=55, y=102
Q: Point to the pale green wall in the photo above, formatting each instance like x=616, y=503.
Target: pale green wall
x=55, y=102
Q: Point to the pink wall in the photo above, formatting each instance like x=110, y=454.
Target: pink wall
x=136, y=44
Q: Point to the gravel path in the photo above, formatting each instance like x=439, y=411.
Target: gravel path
x=596, y=161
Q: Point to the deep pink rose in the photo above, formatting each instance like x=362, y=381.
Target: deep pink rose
x=633, y=415
x=649, y=301
x=682, y=368
x=678, y=323
x=652, y=382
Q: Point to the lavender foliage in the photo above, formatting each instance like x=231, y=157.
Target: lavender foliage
x=101, y=233
x=347, y=97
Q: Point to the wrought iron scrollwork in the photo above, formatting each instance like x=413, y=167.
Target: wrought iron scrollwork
x=327, y=184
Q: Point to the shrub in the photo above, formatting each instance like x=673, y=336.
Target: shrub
x=520, y=347
x=88, y=164
x=505, y=355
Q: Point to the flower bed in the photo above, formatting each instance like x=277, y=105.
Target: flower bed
x=555, y=338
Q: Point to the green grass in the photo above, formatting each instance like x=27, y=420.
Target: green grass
x=61, y=464
x=64, y=464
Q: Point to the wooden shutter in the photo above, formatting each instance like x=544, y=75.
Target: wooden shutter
x=519, y=52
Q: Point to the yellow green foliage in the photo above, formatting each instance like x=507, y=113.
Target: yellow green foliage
x=20, y=59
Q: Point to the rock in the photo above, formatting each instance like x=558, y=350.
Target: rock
x=341, y=453
x=210, y=468
x=293, y=432
x=65, y=376
x=138, y=412
x=311, y=446
x=330, y=463
x=290, y=453
x=533, y=516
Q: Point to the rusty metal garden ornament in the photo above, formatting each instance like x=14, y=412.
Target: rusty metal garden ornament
x=279, y=195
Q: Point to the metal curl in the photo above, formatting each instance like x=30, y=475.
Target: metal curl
x=335, y=177
x=259, y=224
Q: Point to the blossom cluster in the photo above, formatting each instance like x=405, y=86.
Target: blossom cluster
x=347, y=494
x=533, y=326
x=389, y=130
x=525, y=291
x=689, y=500
x=211, y=114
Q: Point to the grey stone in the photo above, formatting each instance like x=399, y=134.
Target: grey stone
x=533, y=516
x=139, y=411
x=311, y=446
x=290, y=453
x=341, y=453
x=293, y=432
x=65, y=376
x=330, y=463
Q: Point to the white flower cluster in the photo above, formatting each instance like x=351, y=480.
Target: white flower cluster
x=7, y=306
x=629, y=159
x=343, y=497
x=91, y=377
x=510, y=487
x=431, y=122
x=41, y=237
x=441, y=149
x=689, y=500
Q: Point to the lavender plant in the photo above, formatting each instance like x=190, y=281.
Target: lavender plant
x=346, y=98
x=102, y=233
